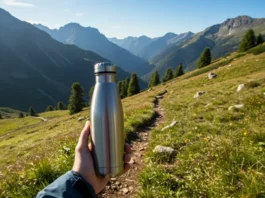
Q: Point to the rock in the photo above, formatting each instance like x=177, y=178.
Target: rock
x=118, y=183
x=198, y=94
x=239, y=106
x=81, y=118
x=150, y=89
x=164, y=149
x=141, y=149
x=264, y=93
x=211, y=75
x=159, y=97
x=171, y=92
x=169, y=126
x=113, y=179
x=130, y=188
x=240, y=87
x=230, y=65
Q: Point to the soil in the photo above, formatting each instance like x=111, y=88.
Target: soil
x=127, y=185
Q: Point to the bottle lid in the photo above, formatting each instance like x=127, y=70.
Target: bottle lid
x=105, y=67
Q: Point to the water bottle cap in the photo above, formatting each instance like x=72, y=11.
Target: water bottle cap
x=105, y=67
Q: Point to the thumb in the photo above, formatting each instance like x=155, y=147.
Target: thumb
x=83, y=139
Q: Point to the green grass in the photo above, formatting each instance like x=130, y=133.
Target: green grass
x=33, y=156
x=220, y=153
x=9, y=113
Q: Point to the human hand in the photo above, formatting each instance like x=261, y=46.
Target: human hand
x=84, y=161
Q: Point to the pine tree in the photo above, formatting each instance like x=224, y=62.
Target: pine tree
x=133, y=87
x=205, y=58
x=32, y=112
x=120, y=88
x=49, y=108
x=155, y=80
x=60, y=105
x=168, y=75
x=91, y=91
x=76, y=101
x=124, y=89
x=20, y=115
x=259, y=39
x=179, y=71
x=248, y=41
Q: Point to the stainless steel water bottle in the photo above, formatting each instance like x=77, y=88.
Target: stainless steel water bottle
x=107, y=125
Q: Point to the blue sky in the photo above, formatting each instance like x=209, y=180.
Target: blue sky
x=122, y=18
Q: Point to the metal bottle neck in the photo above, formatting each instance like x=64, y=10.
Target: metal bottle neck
x=106, y=77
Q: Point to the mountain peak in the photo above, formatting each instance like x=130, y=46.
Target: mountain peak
x=237, y=21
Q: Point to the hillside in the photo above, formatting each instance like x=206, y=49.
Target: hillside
x=9, y=113
x=89, y=38
x=222, y=39
x=218, y=147
x=36, y=70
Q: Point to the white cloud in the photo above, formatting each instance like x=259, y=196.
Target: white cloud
x=18, y=3
x=79, y=14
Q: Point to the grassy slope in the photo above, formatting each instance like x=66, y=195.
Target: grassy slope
x=35, y=155
x=220, y=153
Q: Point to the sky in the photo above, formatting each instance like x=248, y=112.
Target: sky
x=123, y=18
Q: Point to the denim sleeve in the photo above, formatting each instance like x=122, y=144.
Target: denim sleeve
x=68, y=185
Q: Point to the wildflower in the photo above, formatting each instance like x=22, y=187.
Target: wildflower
x=230, y=124
x=245, y=133
x=206, y=139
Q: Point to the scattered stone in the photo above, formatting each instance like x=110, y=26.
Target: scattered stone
x=257, y=60
x=264, y=93
x=239, y=106
x=240, y=87
x=199, y=93
x=118, y=183
x=159, y=97
x=141, y=149
x=164, y=149
x=230, y=65
x=113, y=179
x=81, y=119
x=132, y=161
x=169, y=126
x=130, y=188
x=150, y=89
x=171, y=92
x=211, y=75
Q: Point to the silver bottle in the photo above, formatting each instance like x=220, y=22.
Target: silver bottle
x=107, y=125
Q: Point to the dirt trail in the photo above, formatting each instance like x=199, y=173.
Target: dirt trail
x=127, y=185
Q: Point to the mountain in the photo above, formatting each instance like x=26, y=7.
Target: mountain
x=133, y=44
x=146, y=47
x=89, y=38
x=158, y=45
x=36, y=70
x=222, y=39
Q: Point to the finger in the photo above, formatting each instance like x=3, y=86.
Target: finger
x=83, y=139
x=127, y=148
x=127, y=158
x=126, y=167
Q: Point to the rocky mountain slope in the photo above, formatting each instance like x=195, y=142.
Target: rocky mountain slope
x=222, y=39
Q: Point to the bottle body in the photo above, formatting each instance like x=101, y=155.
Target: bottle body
x=107, y=127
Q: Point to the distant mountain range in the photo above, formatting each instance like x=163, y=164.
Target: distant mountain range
x=146, y=47
x=36, y=70
x=222, y=39
x=89, y=38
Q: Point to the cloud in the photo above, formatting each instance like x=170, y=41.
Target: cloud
x=79, y=14
x=18, y=3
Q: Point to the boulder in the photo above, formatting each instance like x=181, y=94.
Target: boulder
x=198, y=94
x=211, y=75
x=164, y=150
x=159, y=97
x=169, y=126
x=81, y=119
x=238, y=106
x=240, y=87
